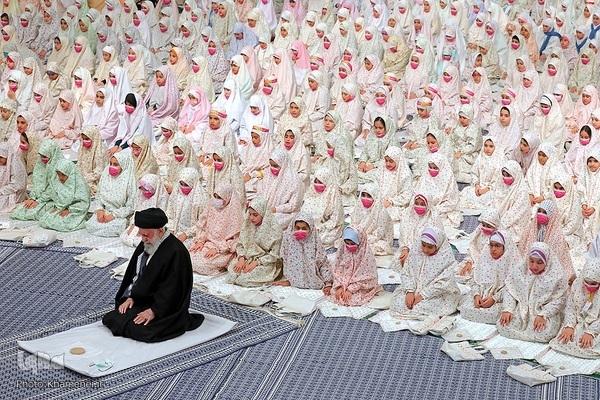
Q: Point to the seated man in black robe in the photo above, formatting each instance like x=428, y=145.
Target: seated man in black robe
x=153, y=300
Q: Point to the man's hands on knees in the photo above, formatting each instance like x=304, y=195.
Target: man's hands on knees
x=125, y=305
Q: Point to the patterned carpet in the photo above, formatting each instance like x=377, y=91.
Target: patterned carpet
x=264, y=358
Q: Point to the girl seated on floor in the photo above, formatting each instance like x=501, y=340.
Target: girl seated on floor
x=466, y=143
x=44, y=173
x=143, y=158
x=217, y=232
x=258, y=248
x=489, y=223
x=370, y=215
x=13, y=179
x=382, y=137
x=568, y=205
x=183, y=157
x=395, y=182
x=511, y=200
x=29, y=146
x=150, y=194
x=305, y=264
x=546, y=227
x=323, y=202
x=225, y=169
x=581, y=326
x=354, y=271
x=484, y=176
x=92, y=157
x=534, y=297
x=70, y=199
x=282, y=188
x=255, y=158
x=115, y=199
x=186, y=203
x=588, y=187
x=428, y=286
x=484, y=301
x=440, y=182
x=414, y=219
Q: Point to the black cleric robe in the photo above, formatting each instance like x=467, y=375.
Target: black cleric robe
x=165, y=286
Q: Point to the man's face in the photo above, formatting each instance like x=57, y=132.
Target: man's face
x=150, y=236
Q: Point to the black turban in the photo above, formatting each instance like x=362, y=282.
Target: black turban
x=151, y=218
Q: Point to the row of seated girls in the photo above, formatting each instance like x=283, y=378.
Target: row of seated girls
x=261, y=129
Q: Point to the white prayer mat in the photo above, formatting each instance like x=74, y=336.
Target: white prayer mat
x=384, y=261
x=530, y=350
x=332, y=310
x=82, y=238
x=118, y=272
x=104, y=354
x=469, y=330
x=390, y=324
x=96, y=258
x=280, y=293
x=119, y=248
x=387, y=276
x=564, y=364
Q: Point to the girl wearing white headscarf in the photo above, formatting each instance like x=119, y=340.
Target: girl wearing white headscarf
x=225, y=169
x=150, y=194
x=370, y=215
x=135, y=66
x=379, y=105
x=65, y=124
x=115, y=198
x=428, y=287
x=109, y=59
x=218, y=229
x=484, y=176
x=369, y=77
x=240, y=73
x=587, y=102
x=92, y=158
x=466, y=143
x=283, y=68
x=324, y=203
x=350, y=106
x=511, y=200
x=258, y=247
x=223, y=23
x=275, y=99
x=17, y=86
x=539, y=175
x=256, y=113
x=305, y=264
x=282, y=188
x=84, y=89
x=394, y=180
x=133, y=120
x=187, y=202
x=440, y=182
x=549, y=123
x=506, y=130
x=588, y=186
x=580, y=326
x=575, y=159
x=534, y=297
x=293, y=145
x=200, y=76
x=13, y=179
x=80, y=56
x=104, y=115
x=317, y=98
x=484, y=301
x=382, y=137
x=295, y=116
x=41, y=107
x=231, y=100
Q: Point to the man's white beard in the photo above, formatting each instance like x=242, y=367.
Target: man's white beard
x=150, y=248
